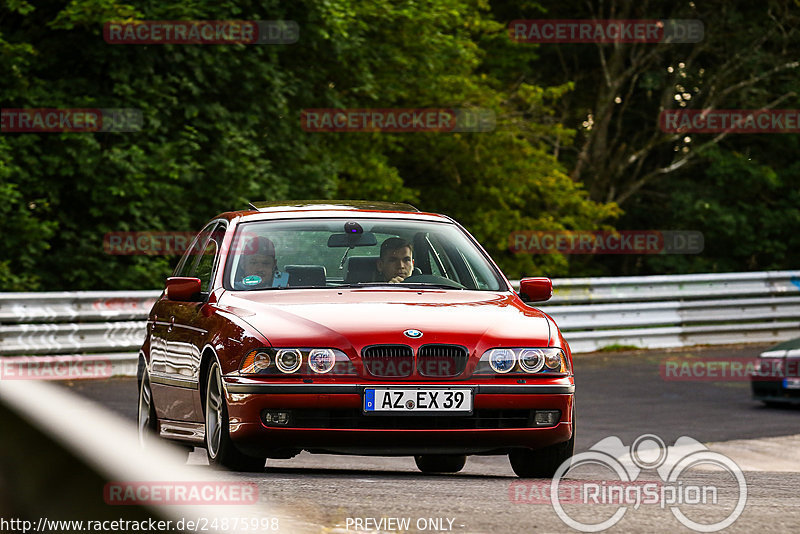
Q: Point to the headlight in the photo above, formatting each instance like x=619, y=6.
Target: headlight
x=276, y=362
x=553, y=360
x=502, y=360
x=261, y=361
x=523, y=360
x=531, y=360
x=289, y=360
x=321, y=360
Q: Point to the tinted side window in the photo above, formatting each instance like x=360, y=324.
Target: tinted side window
x=186, y=265
x=205, y=264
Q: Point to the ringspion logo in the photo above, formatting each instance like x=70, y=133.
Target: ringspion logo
x=629, y=490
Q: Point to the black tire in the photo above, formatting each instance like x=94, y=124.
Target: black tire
x=440, y=463
x=543, y=463
x=220, y=448
x=146, y=413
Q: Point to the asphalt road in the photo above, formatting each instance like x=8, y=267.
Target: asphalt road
x=617, y=394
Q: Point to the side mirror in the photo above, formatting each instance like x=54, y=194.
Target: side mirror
x=535, y=289
x=183, y=288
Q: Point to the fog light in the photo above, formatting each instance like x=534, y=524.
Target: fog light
x=276, y=418
x=547, y=417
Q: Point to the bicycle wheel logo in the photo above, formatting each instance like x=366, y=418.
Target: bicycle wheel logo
x=648, y=452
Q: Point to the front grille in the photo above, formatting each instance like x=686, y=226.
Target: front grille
x=441, y=360
x=354, y=419
x=388, y=361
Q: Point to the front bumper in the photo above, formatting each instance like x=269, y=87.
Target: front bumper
x=329, y=417
x=774, y=391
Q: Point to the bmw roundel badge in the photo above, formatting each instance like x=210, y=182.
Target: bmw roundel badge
x=414, y=334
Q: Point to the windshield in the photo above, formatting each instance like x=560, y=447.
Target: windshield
x=354, y=252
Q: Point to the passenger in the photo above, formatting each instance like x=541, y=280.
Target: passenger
x=396, y=262
x=259, y=266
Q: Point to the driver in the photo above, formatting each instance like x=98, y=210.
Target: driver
x=396, y=262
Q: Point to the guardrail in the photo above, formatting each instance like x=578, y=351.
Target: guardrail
x=110, y=324
x=642, y=311
x=671, y=311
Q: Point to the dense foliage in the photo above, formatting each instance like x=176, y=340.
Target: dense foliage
x=222, y=126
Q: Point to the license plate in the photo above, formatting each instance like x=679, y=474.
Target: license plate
x=791, y=383
x=378, y=400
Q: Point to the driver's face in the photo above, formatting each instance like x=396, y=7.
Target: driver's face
x=398, y=263
x=262, y=266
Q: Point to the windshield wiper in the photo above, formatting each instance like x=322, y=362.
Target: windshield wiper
x=413, y=285
x=427, y=284
x=367, y=284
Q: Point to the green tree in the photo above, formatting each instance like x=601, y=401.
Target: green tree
x=746, y=60
x=221, y=126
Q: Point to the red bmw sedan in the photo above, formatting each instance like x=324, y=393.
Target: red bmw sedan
x=354, y=328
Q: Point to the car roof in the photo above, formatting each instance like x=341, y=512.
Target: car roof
x=328, y=205
x=297, y=209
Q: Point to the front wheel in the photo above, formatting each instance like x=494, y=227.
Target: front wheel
x=440, y=463
x=219, y=446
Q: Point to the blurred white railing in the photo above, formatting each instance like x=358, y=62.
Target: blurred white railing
x=61, y=452
x=593, y=313
x=108, y=323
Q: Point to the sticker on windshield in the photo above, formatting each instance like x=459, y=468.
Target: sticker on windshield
x=251, y=280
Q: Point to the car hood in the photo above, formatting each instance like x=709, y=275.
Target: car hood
x=355, y=318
